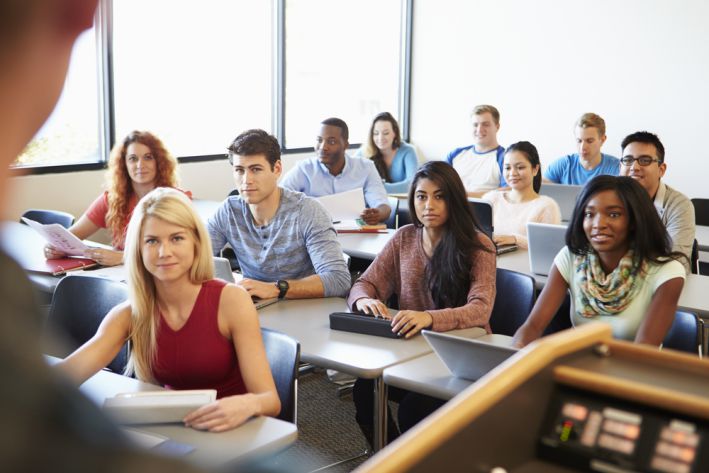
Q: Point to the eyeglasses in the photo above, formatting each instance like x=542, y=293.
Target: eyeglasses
x=642, y=160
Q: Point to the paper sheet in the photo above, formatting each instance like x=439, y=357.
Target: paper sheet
x=59, y=237
x=345, y=206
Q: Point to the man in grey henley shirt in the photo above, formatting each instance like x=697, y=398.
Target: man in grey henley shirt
x=284, y=241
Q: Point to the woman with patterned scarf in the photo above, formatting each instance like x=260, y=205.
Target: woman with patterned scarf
x=617, y=265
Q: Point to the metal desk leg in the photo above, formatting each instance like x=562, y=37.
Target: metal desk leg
x=380, y=414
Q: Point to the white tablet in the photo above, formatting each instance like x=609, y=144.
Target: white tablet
x=156, y=407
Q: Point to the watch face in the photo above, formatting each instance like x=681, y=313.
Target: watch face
x=283, y=288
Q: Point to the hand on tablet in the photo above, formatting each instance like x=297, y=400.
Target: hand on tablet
x=223, y=414
x=373, y=307
x=410, y=322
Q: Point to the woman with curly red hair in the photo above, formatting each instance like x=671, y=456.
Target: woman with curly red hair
x=137, y=165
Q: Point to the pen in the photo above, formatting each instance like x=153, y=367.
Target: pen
x=336, y=222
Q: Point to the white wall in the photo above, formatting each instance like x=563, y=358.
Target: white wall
x=640, y=64
x=73, y=192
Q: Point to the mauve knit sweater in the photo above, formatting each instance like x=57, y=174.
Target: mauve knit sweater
x=400, y=269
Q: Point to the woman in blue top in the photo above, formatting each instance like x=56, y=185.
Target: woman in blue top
x=395, y=160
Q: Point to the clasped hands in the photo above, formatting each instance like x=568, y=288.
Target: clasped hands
x=405, y=322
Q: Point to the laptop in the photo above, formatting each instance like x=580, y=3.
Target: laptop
x=564, y=195
x=483, y=212
x=467, y=358
x=222, y=270
x=544, y=241
x=482, y=209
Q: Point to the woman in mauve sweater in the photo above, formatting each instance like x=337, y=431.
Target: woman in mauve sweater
x=441, y=268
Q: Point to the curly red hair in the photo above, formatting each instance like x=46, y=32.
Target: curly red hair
x=118, y=182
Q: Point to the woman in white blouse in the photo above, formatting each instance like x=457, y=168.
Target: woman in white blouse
x=513, y=208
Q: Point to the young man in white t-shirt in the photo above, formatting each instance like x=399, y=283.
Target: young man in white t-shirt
x=480, y=164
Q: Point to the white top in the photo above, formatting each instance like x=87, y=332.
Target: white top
x=511, y=219
x=479, y=172
x=625, y=324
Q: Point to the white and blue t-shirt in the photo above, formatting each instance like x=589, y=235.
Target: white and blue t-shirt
x=479, y=171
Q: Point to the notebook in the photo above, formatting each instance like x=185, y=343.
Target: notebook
x=544, y=241
x=564, y=195
x=467, y=358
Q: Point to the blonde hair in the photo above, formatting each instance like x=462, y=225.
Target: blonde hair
x=171, y=206
x=118, y=182
x=480, y=109
x=591, y=120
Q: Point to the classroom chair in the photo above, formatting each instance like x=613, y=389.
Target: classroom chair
x=79, y=305
x=701, y=211
x=403, y=215
x=562, y=318
x=46, y=217
x=686, y=333
x=393, y=221
x=514, y=299
x=283, y=353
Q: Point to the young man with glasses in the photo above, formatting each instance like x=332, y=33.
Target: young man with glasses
x=644, y=160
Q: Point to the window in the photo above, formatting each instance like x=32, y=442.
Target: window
x=198, y=74
x=71, y=134
x=195, y=74
x=342, y=59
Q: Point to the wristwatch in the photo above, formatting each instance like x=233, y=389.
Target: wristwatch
x=282, y=288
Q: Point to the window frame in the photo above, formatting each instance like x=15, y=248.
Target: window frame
x=105, y=75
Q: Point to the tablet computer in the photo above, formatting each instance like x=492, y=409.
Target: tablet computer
x=156, y=407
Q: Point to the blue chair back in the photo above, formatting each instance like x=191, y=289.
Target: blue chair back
x=514, y=300
x=686, y=333
x=78, y=307
x=283, y=353
x=392, y=221
x=46, y=217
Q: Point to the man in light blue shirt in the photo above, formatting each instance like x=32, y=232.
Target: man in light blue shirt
x=284, y=241
x=589, y=162
x=332, y=172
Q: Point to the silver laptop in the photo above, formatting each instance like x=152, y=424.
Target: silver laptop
x=222, y=270
x=467, y=358
x=564, y=195
x=545, y=241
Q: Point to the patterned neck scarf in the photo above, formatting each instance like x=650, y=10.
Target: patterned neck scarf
x=601, y=294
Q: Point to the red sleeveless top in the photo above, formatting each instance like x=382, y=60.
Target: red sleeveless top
x=198, y=356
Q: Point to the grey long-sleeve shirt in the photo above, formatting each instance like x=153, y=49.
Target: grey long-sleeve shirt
x=298, y=242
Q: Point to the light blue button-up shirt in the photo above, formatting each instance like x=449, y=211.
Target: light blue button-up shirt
x=312, y=178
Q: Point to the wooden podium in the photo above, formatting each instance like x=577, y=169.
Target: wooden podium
x=574, y=401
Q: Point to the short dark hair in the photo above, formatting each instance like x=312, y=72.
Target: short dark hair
x=253, y=142
x=646, y=232
x=339, y=123
x=648, y=138
x=530, y=152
